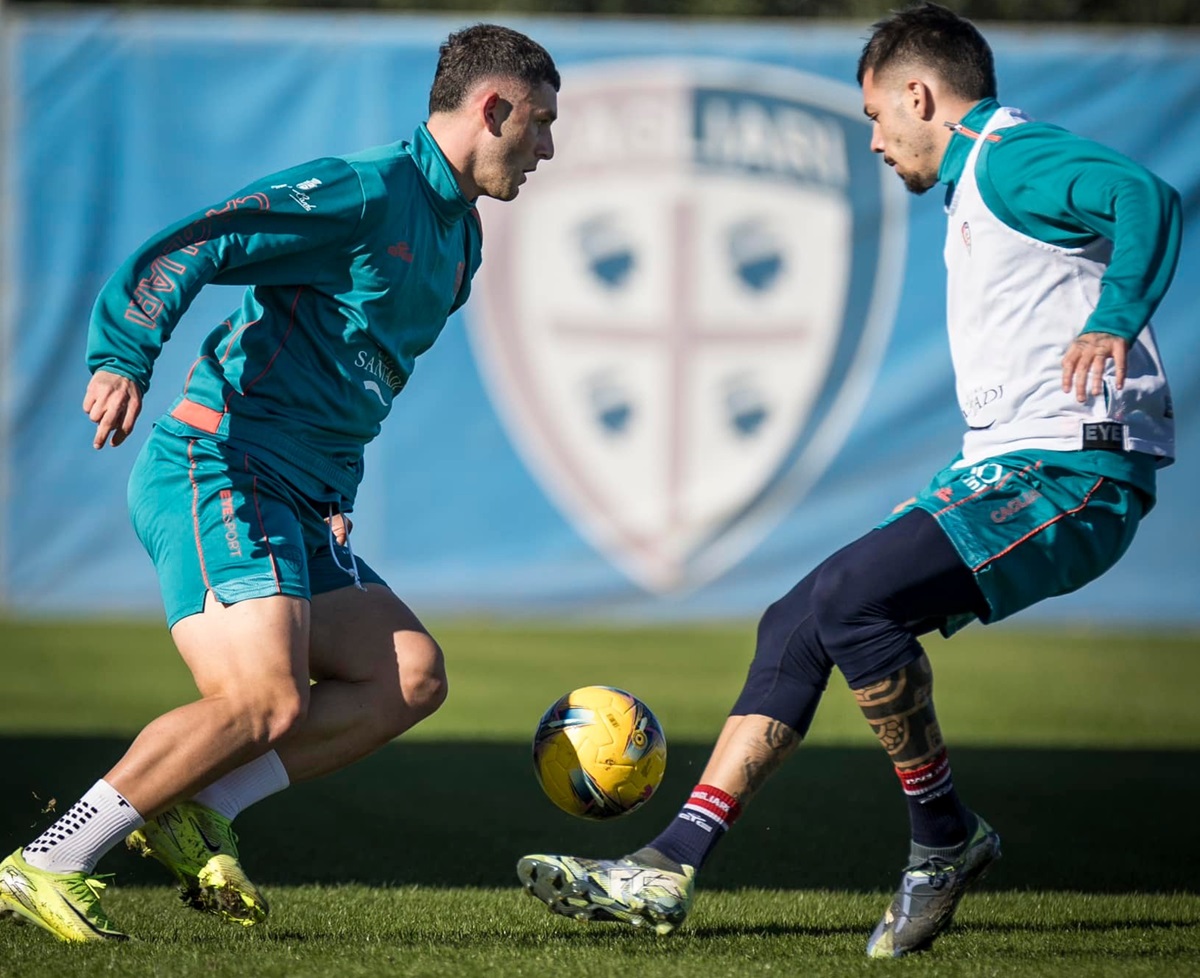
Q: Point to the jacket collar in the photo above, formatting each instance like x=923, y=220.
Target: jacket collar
x=963, y=141
x=447, y=199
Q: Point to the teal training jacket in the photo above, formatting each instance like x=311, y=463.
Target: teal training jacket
x=353, y=263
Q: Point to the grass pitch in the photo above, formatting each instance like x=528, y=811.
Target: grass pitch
x=1082, y=748
x=359, y=931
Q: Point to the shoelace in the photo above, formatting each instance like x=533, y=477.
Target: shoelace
x=930, y=864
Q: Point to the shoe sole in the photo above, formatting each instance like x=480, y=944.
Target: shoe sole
x=16, y=913
x=210, y=892
x=229, y=900
x=579, y=899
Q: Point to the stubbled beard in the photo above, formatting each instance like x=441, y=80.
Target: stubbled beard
x=916, y=184
x=505, y=190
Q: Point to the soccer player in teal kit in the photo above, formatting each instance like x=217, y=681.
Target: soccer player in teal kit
x=1058, y=250
x=240, y=492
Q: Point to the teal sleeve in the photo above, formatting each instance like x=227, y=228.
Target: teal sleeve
x=280, y=230
x=1060, y=188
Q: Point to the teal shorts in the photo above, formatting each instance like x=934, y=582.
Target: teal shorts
x=1032, y=525
x=215, y=518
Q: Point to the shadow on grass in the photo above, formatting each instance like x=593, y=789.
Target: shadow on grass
x=460, y=814
x=1080, y=926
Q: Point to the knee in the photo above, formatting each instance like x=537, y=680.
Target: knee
x=273, y=713
x=417, y=689
x=777, y=625
x=789, y=671
x=837, y=602
x=858, y=628
x=788, y=643
x=423, y=684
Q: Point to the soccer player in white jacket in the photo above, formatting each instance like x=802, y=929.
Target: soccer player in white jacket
x=1058, y=250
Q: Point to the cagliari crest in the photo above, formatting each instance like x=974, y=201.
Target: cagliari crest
x=680, y=317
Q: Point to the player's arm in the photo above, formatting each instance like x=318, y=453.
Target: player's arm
x=280, y=230
x=1066, y=190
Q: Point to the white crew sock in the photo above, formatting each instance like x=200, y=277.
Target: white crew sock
x=93, y=825
x=245, y=785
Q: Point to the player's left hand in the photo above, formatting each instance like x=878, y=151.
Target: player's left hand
x=341, y=526
x=1087, y=357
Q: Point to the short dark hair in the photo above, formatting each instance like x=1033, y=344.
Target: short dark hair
x=483, y=51
x=937, y=38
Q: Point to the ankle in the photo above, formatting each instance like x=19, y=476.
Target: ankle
x=649, y=856
x=919, y=852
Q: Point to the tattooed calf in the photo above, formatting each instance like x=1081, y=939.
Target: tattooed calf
x=900, y=711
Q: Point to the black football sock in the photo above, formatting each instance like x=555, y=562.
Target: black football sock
x=939, y=820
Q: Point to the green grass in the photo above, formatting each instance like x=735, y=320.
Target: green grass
x=994, y=686
x=351, y=931
x=1082, y=747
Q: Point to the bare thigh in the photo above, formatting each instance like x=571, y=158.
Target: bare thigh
x=372, y=636
x=245, y=649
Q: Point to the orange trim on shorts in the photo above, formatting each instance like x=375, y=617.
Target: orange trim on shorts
x=198, y=415
x=196, y=514
x=986, y=489
x=1038, y=529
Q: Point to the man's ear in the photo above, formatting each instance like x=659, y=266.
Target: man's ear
x=919, y=98
x=496, y=110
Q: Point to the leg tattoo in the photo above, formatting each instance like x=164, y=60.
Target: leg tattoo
x=749, y=749
x=765, y=755
x=900, y=711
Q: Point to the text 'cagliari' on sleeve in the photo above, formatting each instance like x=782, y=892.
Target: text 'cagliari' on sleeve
x=279, y=230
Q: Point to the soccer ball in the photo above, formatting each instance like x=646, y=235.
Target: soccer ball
x=599, y=752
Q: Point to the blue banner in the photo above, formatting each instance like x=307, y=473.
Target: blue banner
x=706, y=348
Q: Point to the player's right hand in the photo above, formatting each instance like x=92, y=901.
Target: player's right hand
x=341, y=524
x=114, y=403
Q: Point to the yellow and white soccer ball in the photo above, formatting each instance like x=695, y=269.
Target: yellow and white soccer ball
x=599, y=752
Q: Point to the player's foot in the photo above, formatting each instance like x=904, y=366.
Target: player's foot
x=198, y=845
x=65, y=904
x=624, y=890
x=929, y=893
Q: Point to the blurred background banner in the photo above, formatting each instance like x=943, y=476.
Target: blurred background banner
x=706, y=347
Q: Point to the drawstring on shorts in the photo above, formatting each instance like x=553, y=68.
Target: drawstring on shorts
x=352, y=570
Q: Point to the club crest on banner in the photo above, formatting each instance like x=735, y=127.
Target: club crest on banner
x=680, y=317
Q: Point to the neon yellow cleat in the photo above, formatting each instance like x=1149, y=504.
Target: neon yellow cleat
x=623, y=890
x=199, y=846
x=65, y=904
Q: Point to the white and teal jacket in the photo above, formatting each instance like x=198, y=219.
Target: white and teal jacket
x=1050, y=235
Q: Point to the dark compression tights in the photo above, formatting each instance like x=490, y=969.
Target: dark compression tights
x=860, y=610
